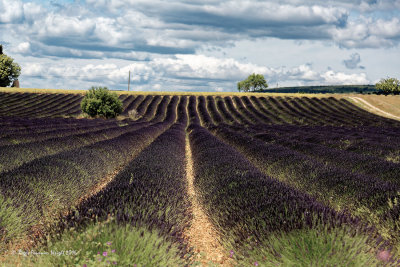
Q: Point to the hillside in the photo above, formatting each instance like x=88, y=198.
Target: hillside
x=183, y=179
x=293, y=107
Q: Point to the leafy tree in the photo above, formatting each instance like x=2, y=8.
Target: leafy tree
x=254, y=82
x=9, y=70
x=388, y=86
x=99, y=101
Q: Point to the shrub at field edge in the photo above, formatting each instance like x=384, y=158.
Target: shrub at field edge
x=100, y=102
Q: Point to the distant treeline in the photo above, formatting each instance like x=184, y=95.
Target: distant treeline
x=324, y=89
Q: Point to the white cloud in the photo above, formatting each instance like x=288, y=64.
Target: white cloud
x=33, y=69
x=22, y=48
x=32, y=12
x=186, y=72
x=11, y=11
x=203, y=67
x=331, y=77
x=367, y=32
x=56, y=25
x=302, y=72
x=386, y=28
x=167, y=42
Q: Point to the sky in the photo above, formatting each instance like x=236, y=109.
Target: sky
x=193, y=45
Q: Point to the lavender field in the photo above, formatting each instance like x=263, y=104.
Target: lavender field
x=279, y=181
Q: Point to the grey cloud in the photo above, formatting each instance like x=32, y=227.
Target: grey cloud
x=353, y=61
x=183, y=27
x=241, y=15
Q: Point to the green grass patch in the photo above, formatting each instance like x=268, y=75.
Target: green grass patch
x=11, y=222
x=103, y=244
x=310, y=247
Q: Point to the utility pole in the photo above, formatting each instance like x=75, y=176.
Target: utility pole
x=129, y=80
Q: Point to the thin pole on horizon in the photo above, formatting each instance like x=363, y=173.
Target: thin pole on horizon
x=129, y=80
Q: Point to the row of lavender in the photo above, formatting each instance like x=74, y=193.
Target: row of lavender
x=36, y=145
x=149, y=193
x=368, y=192
x=39, y=172
x=311, y=159
x=371, y=165
x=21, y=130
x=370, y=140
x=248, y=205
x=54, y=105
x=378, y=142
x=41, y=105
x=285, y=186
x=39, y=187
x=285, y=111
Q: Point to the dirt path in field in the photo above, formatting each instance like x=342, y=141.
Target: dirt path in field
x=373, y=108
x=202, y=235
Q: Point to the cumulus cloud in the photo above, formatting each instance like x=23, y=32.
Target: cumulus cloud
x=11, y=11
x=115, y=27
x=203, y=67
x=185, y=72
x=22, y=48
x=331, y=77
x=368, y=33
x=16, y=12
x=162, y=40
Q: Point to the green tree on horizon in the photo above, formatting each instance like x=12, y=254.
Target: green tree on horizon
x=389, y=86
x=9, y=70
x=255, y=82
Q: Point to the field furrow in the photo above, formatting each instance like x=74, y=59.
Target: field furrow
x=161, y=109
x=245, y=112
x=248, y=218
x=362, y=195
x=24, y=153
x=276, y=109
x=151, y=109
x=22, y=138
x=192, y=111
x=64, y=178
x=23, y=101
x=352, y=162
x=234, y=112
x=215, y=115
x=224, y=112
x=133, y=105
x=148, y=195
x=261, y=117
